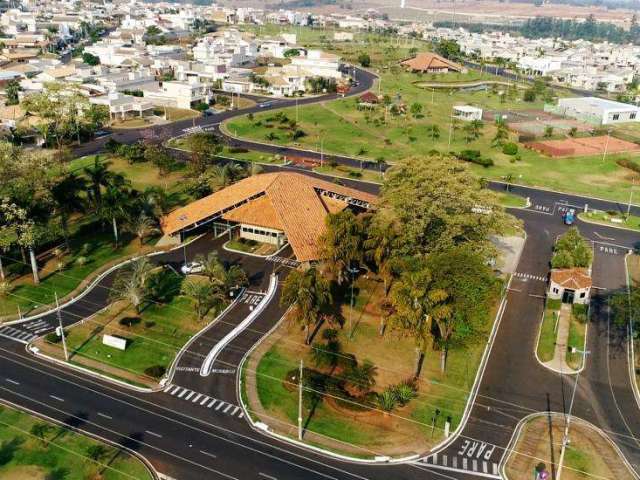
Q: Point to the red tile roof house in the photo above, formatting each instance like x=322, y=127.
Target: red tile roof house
x=431, y=63
x=572, y=285
x=275, y=208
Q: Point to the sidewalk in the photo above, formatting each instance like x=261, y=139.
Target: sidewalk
x=559, y=361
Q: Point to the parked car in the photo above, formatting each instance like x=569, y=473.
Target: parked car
x=569, y=216
x=191, y=268
x=265, y=104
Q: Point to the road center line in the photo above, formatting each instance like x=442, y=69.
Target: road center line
x=57, y=398
x=154, y=434
x=104, y=415
x=13, y=381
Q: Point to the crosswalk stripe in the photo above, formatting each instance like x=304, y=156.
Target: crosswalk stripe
x=474, y=465
x=464, y=463
x=212, y=403
x=205, y=400
x=455, y=462
x=220, y=406
x=227, y=409
x=190, y=395
x=195, y=399
x=182, y=393
x=241, y=415
x=176, y=390
x=444, y=460
x=168, y=387
x=495, y=468
x=484, y=467
x=235, y=410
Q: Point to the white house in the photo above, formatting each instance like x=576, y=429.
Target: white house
x=597, y=110
x=177, y=94
x=571, y=285
x=121, y=105
x=119, y=81
x=319, y=64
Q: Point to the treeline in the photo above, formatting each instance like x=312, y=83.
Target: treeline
x=546, y=27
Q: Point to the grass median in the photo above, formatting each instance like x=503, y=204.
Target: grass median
x=547, y=341
x=35, y=449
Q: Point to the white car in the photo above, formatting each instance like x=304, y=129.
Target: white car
x=191, y=267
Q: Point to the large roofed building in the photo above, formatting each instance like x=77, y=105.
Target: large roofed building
x=431, y=63
x=272, y=208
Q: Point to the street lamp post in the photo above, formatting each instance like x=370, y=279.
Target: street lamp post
x=606, y=146
x=633, y=181
x=565, y=438
x=64, y=340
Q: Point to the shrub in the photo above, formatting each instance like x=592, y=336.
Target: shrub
x=81, y=260
x=579, y=312
x=129, y=321
x=53, y=338
x=355, y=174
x=238, y=150
x=155, y=371
x=630, y=164
x=5, y=288
x=510, y=148
x=473, y=156
x=404, y=392
x=387, y=400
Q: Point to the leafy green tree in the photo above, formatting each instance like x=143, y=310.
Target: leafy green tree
x=572, y=250
x=380, y=246
x=142, y=226
x=220, y=275
x=90, y=59
x=130, y=284
x=114, y=208
x=548, y=131
x=96, y=452
x=360, y=379
x=449, y=49
x=433, y=131
x=99, y=176
x=12, y=91
x=204, y=147
x=364, y=59
x=40, y=430
x=309, y=293
x=416, y=109
x=292, y=52
x=435, y=203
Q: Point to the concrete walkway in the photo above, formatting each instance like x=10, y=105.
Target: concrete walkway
x=559, y=360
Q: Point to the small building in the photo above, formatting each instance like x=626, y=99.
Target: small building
x=598, y=111
x=571, y=285
x=123, y=106
x=431, y=63
x=467, y=113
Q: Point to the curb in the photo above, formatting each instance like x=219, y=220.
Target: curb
x=154, y=473
x=631, y=352
x=509, y=449
x=606, y=225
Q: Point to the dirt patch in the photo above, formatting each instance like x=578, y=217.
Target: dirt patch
x=23, y=473
x=589, y=454
x=576, y=147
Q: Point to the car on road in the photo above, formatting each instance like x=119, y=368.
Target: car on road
x=569, y=216
x=265, y=104
x=190, y=268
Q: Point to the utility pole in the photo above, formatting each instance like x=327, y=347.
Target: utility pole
x=64, y=340
x=296, y=109
x=300, y=401
x=633, y=181
x=606, y=146
x=565, y=438
x=450, y=130
x=321, y=152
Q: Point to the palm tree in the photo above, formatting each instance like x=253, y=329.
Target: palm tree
x=113, y=208
x=99, y=176
x=311, y=293
x=224, y=277
x=361, y=379
x=67, y=199
x=142, y=226
x=379, y=247
x=131, y=284
x=416, y=304
x=204, y=295
x=40, y=430
x=154, y=202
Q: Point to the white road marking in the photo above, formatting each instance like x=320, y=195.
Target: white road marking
x=190, y=395
x=268, y=477
x=154, y=434
x=13, y=381
x=57, y=398
x=184, y=390
x=235, y=410
x=205, y=400
x=104, y=415
x=227, y=409
x=208, y=454
x=212, y=403
x=195, y=399
x=220, y=406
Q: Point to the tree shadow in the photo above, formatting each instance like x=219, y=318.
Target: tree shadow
x=550, y=428
x=9, y=448
x=132, y=442
x=74, y=421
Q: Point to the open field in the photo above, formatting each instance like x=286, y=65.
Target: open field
x=33, y=449
x=354, y=426
x=589, y=455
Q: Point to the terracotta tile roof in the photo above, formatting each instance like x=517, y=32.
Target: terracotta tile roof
x=369, y=97
x=572, y=278
x=429, y=61
x=287, y=201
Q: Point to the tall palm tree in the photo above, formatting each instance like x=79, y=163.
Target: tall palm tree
x=113, y=207
x=131, y=283
x=416, y=303
x=66, y=195
x=220, y=275
x=379, y=247
x=204, y=295
x=142, y=226
x=99, y=176
x=311, y=293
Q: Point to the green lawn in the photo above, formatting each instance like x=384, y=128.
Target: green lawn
x=577, y=332
x=547, y=340
x=153, y=338
x=410, y=427
x=613, y=219
x=92, y=244
x=511, y=200
x=64, y=456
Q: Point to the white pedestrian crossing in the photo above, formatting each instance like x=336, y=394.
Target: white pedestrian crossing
x=530, y=276
x=462, y=463
x=204, y=401
x=17, y=335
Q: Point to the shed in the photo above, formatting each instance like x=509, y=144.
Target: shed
x=572, y=285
